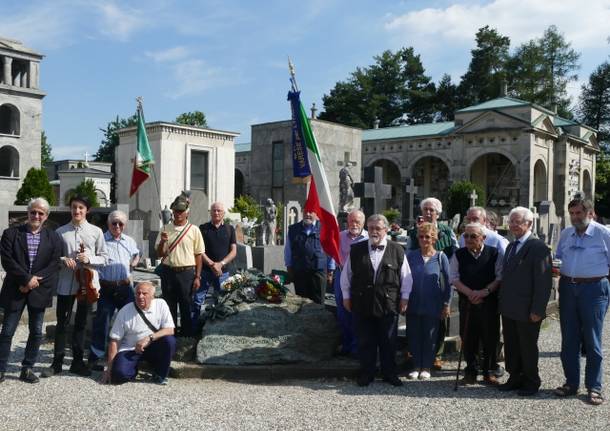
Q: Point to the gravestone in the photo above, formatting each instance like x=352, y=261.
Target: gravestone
x=267, y=258
x=243, y=259
x=373, y=192
x=292, y=214
x=473, y=198
x=296, y=330
x=409, y=201
x=549, y=224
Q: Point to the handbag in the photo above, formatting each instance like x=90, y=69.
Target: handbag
x=159, y=268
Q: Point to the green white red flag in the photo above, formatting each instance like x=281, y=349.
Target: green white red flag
x=142, y=164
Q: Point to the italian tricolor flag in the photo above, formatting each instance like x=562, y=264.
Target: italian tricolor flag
x=144, y=159
x=318, y=197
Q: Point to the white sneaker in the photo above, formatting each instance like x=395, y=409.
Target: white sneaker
x=413, y=375
x=424, y=375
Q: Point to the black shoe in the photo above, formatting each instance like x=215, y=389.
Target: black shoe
x=393, y=380
x=54, y=369
x=2, y=376
x=95, y=365
x=527, y=392
x=28, y=376
x=510, y=385
x=80, y=368
x=364, y=380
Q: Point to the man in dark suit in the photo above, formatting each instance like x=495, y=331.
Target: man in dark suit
x=376, y=282
x=525, y=291
x=30, y=256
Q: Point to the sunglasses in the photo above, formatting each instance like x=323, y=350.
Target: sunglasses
x=117, y=224
x=471, y=235
x=34, y=213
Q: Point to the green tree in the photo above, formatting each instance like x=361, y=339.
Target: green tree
x=395, y=84
x=35, y=184
x=594, y=111
x=46, y=155
x=446, y=99
x=541, y=69
x=246, y=206
x=487, y=70
x=105, y=152
x=86, y=188
x=458, y=199
x=195, y=118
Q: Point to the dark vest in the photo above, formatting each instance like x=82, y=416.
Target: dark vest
x=477, y=273
x=307, y=254
x=381, y=297
x=444, y=242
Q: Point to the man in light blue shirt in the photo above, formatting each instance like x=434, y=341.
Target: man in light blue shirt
x=492, y=238
x=115, y=283
x=584, y=251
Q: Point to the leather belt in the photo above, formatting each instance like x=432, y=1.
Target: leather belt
x=112, y=284
x=181, y=268
x=580, y=280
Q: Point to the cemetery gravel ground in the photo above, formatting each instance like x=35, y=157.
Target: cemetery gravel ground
x=69, y=402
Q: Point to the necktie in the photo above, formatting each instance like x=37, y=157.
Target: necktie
x=513, y=250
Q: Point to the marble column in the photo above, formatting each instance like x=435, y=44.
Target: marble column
x=8, y=62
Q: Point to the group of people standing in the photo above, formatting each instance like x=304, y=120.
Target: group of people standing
x=502, y=286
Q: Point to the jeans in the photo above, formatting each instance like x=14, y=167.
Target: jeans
x=64, y=314
x=208, y=279
x=106, y=306
x=349, y=343
x=158, y=354
x=422, y=333
x=9, y=325
x=582, y=308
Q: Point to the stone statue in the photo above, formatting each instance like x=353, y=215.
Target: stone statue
x=268, y=225
x=346, y=191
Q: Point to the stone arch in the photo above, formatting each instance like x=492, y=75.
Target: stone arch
x=240, y=183
x=9, y=161
x=587, y=184
x=10, y=119
x=472, y=159
x=540, y=185
x=431, y=174
x=391, y=175
x=497, y=174
x=102, y=199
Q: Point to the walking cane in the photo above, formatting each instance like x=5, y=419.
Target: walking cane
x=462, y=342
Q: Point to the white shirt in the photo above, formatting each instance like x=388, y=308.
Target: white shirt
x=129, y=327
x=406, y=279
x=492, y=239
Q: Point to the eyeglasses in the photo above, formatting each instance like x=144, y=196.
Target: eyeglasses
x=117, y=224
x=35, y=213
x=471, y=235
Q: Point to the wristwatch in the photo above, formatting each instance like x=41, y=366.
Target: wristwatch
x=150, y=337
x=488, y=290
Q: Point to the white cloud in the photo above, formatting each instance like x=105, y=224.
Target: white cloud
x=583, y=23
x=194, y=76
x=168, y=55
x=119, y=22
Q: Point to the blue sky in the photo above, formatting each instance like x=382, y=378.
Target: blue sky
x=228, y=58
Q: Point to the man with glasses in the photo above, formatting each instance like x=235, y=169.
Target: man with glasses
x=220, y=249
x=116, y=285
x=30, y=256
x=446, y=242
x=584, y=251
x=180, y=245
x=83, y=244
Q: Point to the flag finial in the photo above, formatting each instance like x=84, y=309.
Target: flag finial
x=293, y=78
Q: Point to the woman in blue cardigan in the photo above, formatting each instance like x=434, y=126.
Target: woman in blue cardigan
x=429, y=299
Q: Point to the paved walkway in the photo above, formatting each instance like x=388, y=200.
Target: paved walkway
x=70, y=402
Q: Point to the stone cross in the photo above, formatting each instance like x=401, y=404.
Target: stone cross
x=313, y=110
x=473, y=198
x=346, y=160
x=411, y=191
x=372, y=191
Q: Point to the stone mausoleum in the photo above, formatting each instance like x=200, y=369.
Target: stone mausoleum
x=519, y=152
x=20, y=115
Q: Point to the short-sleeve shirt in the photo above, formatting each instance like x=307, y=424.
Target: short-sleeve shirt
x=217, y=240
x=121, y=252
x=187, y=248
x=129, y=327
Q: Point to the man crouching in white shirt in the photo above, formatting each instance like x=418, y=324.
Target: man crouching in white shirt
x=142, y=330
